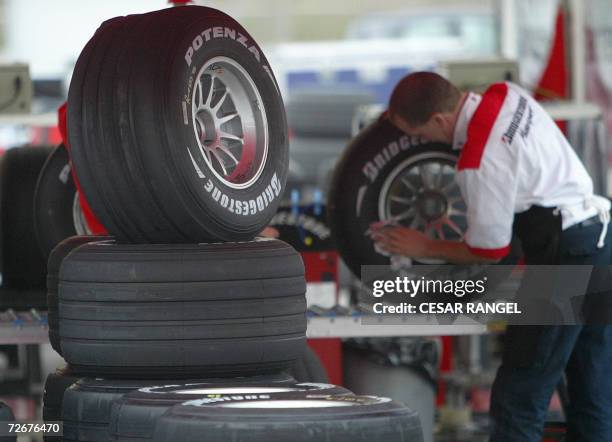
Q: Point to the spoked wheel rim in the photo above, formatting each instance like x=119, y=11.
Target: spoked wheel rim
x=230, y=122
x=421, y=193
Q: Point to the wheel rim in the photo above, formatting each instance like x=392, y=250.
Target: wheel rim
x=78, y=218
x=421, y=193
x=230, y=122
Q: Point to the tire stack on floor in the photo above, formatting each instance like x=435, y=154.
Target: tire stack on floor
x=180, y=326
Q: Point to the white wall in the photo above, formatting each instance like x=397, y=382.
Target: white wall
x=49, y=34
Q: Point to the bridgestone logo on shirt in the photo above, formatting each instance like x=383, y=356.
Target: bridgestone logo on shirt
x=516, y=120
x=220, y=32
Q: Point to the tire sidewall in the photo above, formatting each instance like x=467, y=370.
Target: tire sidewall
x=358, y=182
x=238, y=208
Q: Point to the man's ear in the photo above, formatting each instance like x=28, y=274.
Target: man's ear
x=438, y=119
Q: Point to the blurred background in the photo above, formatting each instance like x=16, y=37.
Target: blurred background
x=336, y=63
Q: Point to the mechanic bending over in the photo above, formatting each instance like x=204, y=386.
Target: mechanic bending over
x=516, y=170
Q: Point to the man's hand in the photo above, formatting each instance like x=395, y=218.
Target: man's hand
x=400, y=240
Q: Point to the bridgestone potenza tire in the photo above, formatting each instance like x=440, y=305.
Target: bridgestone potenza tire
x=191, y=310
x=385, y=175
x=177, y=128
x=57, y=210
x=302, y=418
x=53, y=266
x=23, y=266
x=134, y=416
x=89, y=403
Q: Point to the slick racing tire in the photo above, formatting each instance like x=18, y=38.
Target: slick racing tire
x=89, y=403
x=134, y=416
x=53, y=266
x=57, y=208
x=192, y=310
x=386, y=176
x=301, y=418
x=23, y=265
x=177, y=128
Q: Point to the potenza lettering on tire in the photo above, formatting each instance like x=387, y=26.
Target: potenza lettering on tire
x=220, y=32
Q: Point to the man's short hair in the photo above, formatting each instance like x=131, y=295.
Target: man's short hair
x=419, y=95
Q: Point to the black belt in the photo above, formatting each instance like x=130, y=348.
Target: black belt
x=587, y=222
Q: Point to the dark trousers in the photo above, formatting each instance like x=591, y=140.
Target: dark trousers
x=527, y=379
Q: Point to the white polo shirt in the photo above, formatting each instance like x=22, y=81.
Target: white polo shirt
x=514, y=156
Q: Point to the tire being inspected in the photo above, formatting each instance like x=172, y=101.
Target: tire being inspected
x=195, y=151
x=385, y=176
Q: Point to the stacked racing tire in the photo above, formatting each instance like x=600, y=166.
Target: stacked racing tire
x=177, y=133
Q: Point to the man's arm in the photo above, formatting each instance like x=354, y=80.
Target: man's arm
x=456, y=252
x=415, y=244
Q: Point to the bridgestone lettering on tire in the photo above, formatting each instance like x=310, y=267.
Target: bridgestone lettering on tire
x=177, y=128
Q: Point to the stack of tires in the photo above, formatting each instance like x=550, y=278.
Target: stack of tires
x=181, y=324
